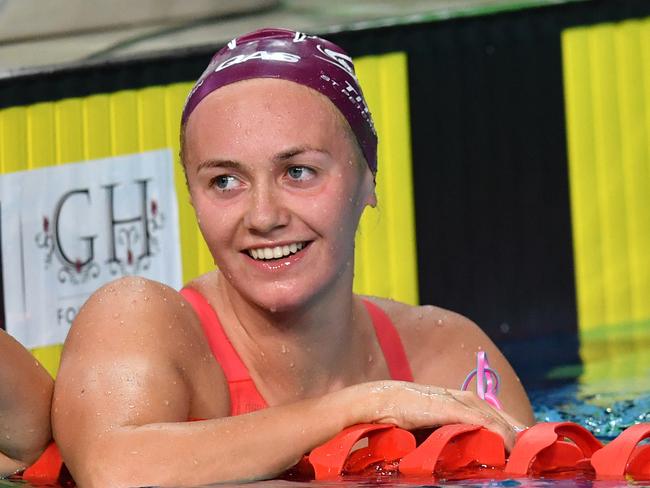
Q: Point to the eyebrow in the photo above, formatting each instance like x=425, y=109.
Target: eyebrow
x=278, y=158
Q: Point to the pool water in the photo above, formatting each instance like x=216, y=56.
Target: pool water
x=605, y=403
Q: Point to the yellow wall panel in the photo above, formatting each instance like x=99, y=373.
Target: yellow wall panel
x=124, y=123
x=399, y=178
x=634, y=101
x=386, y=246
x=97, y=126
x=151, y=111
x=69, y=131
x=49, y=357
x=41, y=135
x=13, y=153
x=610, y=186
x=607, y=96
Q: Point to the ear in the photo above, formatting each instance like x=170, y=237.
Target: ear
x=370, y=188
x=371, y=199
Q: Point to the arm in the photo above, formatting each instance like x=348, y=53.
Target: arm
x=25, y=399
x=125, y=391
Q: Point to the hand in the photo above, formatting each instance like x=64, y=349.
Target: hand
x=415, y=406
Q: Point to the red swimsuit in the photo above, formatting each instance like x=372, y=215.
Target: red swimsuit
x=244, y=396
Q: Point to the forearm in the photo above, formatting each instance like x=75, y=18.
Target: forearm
x=25, y=400
x=247, y=447
x=25, y=430
x=9, y=466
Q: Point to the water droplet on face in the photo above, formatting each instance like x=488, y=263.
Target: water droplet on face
x=284, y=349
x=166, y=403
x=439, y=321
x=146, y=299
x=370, y=358
x=116, y=315
x=292, y=364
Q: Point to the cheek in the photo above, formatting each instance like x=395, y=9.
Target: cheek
x=335, y=212
x=215, y=223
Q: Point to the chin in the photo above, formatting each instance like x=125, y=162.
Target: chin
x=282, y=301
x=281, y=296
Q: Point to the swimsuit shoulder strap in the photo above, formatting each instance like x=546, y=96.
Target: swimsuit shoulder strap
x=232, y=365
x=390, y=343
x=244, y=395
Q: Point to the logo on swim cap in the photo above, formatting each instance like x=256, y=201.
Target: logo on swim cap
x=262, y=55
x=337, y=59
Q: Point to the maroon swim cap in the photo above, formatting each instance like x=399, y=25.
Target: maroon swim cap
x=294, y=56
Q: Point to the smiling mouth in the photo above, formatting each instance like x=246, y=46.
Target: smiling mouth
x=276, y=252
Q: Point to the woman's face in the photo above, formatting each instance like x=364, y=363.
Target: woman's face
x=278, y=185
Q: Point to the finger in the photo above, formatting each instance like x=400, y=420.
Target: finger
x=472, y=410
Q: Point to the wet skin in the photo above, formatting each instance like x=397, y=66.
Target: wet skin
x=269, y=163
x=25, y=399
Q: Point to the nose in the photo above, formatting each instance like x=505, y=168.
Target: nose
x=266, y=210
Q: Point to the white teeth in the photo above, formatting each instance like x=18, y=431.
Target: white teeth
x=276, y=252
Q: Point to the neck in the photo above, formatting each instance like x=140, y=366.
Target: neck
x=304, y=351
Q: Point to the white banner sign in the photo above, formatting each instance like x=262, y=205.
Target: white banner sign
x=67, y=230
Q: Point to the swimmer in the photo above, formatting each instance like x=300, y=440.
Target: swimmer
x=25, y=399
x=256, y=363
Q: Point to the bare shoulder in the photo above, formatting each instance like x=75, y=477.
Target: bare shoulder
x=132, y=308
x=429, y=332
x=442, y=345
x=141, y=341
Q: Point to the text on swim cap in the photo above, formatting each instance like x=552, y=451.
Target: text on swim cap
x=337, y=59
x=263, y=55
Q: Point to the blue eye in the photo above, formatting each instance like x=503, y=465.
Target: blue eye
x=225, y=182
x=300, y=173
